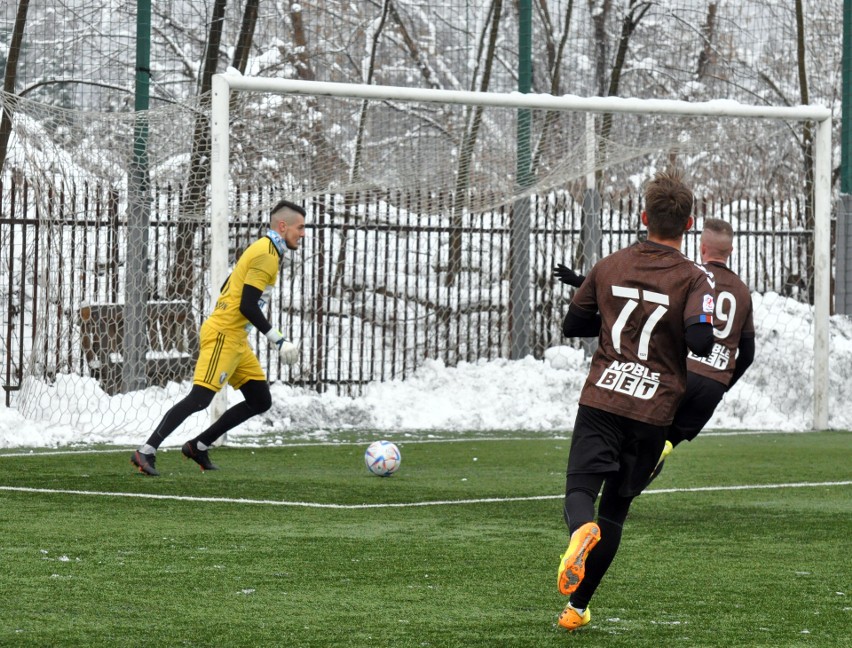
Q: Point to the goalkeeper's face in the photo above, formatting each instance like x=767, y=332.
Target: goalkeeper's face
x=293, y=230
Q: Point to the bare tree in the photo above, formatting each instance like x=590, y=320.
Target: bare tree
x=554, y=66
x=555, y=51
x=417, y=55
x=707, y=56
x=243, y=48
x=301, y=61
x=473, y=121
x=807, y=140
x=11, y=75
x=600, y=16
x=325, y=156
x=635, y=12
x=355, y=169
x=194, y=199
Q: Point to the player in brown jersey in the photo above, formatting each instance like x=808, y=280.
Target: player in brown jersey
x=224, y=355
x=708, y=378
x=651, y=304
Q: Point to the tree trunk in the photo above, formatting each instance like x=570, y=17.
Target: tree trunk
x=707, y=56
x=414, y=50
x=599, y=19
x=555, y=68
x=11, y=76
x=807, y=146
x=302, y=62
x=243, y=48
x=554, y=60
x=350, y=199
x=194, y=199
x=325, y=156
x=471, y=133
x=634, y=15
x=355, y=169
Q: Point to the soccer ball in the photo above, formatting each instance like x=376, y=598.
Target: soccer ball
x=382, y=458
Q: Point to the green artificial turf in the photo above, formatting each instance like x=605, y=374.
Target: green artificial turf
x=220, y=561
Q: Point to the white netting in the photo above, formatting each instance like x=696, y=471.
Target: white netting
x=420, y=226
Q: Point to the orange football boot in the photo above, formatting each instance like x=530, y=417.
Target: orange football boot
x=572, y=564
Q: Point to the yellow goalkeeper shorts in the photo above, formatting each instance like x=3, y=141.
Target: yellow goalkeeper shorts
x=225, y=359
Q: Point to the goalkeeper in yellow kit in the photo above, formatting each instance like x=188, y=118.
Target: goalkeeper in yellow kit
x=225, y=356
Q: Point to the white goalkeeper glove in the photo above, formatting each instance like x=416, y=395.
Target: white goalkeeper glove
x=287, y=350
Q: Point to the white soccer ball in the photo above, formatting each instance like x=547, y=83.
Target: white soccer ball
x=382, y=458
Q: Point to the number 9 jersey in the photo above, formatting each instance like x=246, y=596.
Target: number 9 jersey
x=733, y=320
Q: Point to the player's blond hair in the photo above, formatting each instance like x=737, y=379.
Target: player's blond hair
x=718, y=235
x=719, y=226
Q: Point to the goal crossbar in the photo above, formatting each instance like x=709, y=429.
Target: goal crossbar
x=717, y=107
x=223, y=84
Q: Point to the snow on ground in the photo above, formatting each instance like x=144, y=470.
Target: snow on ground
x=486, y=396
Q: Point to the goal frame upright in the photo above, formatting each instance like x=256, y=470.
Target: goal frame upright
x=223, y=84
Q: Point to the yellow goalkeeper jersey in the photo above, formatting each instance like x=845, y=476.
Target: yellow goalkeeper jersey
x=258, y=267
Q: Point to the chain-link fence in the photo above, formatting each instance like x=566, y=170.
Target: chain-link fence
x=87, y=182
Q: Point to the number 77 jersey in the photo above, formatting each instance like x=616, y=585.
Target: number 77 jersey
x=646, y=294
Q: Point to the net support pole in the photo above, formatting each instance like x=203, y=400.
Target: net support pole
x=590, y=228
x=591, y=234
x=519, y=256
x=843, y=271
x=843, y=276
x=219, y=173
x=822, y=269
x=519, y=284
x=135, y=345
x=846, y=103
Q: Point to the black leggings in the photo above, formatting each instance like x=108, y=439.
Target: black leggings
x=257, y=400
x=579, y=508
x=697, y=407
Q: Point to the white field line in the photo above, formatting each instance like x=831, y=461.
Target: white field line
x=484, y=500
x=398, y=441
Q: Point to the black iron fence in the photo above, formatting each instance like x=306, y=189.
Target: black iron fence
x=381, y=282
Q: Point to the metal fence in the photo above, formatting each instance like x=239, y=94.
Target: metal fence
x=367, y=295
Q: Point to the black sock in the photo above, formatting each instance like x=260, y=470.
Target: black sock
x=197, y=399
x=231, y=418
x=257, y=400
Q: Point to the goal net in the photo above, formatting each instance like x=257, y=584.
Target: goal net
x=434, y=221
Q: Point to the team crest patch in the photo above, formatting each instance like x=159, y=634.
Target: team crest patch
x=223, y=377
x=709, y=306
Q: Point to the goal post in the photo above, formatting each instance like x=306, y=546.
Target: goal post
x=225, y=84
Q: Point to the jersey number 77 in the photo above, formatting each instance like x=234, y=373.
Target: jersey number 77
x=633, y=295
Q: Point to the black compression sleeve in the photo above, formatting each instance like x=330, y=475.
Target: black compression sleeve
x=699, y=338
x=575, y=325
x=251, y=310
x=744, y=359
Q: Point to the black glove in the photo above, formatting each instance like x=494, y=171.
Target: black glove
x=568, y=276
